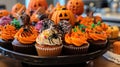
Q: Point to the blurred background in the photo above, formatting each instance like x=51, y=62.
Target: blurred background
x=109, y=10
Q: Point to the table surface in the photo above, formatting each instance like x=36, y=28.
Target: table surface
x=99, y=62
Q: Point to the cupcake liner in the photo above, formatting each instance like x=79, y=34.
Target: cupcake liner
x=72, y=50
x=6, y=44
x=116, y=47
x=48, y=51
x=96, y=45
x=26, y=49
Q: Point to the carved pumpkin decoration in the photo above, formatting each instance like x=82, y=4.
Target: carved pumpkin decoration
x=20, y=12
x=76, y=6
x=35, y=4
x=4, y=13
x=37, y=14
x=63, y=14
x=16, y=8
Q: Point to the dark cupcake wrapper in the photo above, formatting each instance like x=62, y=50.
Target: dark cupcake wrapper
x=73, y=50
x=111, y=40
x=97, y=45
x=6, y=44
x=49, y=51
x=22, y=48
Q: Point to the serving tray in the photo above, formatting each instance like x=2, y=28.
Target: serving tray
x=54, y=60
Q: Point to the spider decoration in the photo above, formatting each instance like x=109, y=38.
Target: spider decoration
x=27, y=29
x=54, y=35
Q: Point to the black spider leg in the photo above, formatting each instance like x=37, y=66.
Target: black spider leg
x=52, y=36
x=49, y=38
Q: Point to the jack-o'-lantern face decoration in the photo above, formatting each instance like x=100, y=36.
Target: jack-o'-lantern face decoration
x=76, y=6
x=4, y=13
x=35, y=4
x=63, y=14
x=16, y=8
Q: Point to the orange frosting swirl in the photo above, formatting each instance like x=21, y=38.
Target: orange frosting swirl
x=8, y=32
x=102, y=27
x=76, y=38
x=98, y=36
x=27, y=37
x=87, y=21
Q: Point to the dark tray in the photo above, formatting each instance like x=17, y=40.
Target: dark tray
x=55, y=60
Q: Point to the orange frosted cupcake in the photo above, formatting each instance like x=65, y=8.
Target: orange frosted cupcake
x=7, y=35
x=49, y=43
x=76, y=42
x=97, y=38
x=25, y=39
x=116, y=47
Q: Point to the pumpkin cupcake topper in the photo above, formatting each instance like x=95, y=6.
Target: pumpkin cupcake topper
x=20, y=12
x=35, y=4
x=4, y=13
x=16, y=8
x=76, y=6
x=63, y=14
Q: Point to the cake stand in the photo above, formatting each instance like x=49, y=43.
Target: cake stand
x=55, y=60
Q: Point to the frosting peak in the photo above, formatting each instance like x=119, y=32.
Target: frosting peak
x=49, y=37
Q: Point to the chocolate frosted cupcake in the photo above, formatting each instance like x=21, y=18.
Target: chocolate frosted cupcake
x=44, y=24
x=75, y=43
x=25, y=38
x=49, y=43
x=7, y=36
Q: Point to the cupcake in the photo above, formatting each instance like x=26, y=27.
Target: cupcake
x=49, y=43
x=75, y=42
x=25, y=38
x=97, y=39
x=7, y=36
x=114, y=32
x=5, y=20
x=116, y=47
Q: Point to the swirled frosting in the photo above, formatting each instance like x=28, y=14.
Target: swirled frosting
x=5, y=20
x=8, y=32
x=98, y=36
x=76, y=37
x=49, y=37
x=26, y=36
